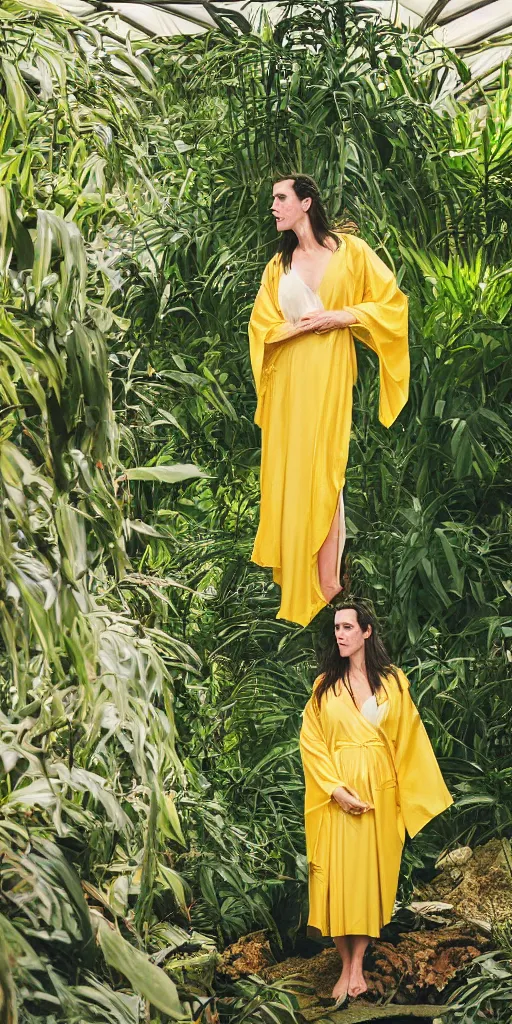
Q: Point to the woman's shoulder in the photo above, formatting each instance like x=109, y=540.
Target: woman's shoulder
x=397, y=678
x=274, y=263
x=312, y=706
x=272, y=269
x=352, y=241
x=312, y=702
x=319, y=679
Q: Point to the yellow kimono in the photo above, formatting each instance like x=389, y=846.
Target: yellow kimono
x=354, y=860
x=304, y=389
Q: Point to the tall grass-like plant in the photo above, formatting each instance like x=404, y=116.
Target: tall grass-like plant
x=135, y=182
x=87, y=749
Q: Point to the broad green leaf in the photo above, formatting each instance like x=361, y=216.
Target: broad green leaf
x=164, y=474
x=16, y=95
x=145, y=977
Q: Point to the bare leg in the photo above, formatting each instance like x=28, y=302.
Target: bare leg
x=357, y=982
x=328, y=561
x=340, y=990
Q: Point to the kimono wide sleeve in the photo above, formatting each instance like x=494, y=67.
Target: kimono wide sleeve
x=423, y=793
x=382, y=325
x=267, y=323
x=320, y=776
x=319, y=770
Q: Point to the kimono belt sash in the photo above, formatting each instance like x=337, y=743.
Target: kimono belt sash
x=374, y=742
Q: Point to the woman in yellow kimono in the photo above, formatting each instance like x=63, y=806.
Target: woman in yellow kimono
x=322, y=289
x=371, y=774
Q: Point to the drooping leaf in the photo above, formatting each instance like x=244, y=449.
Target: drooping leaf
x=145, y=977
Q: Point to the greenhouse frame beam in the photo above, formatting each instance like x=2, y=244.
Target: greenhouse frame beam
x=158, y=5
x=483, y=23
x=495, y=38
x=433, y=14
x=477, y=5
x=214, y=15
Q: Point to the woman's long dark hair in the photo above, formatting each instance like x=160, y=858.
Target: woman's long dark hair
x=333, y=667
x=306, y=188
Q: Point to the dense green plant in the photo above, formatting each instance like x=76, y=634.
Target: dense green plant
x=486, y=994
x=88, y=738
x=89, y=832
x=360, y=104
x=134, y=191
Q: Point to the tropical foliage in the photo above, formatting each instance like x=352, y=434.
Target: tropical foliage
x=88, y=737
x=426, y=501
x=134, y=191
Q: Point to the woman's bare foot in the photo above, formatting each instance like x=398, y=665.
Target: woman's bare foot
x=357, y=982
x=340, y=990
x=330, y=591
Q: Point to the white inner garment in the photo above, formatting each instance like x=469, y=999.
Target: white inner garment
x=296, y=298
x=372, y=711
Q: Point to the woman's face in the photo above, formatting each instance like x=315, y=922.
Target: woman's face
x=349, y=635
x=289, y=211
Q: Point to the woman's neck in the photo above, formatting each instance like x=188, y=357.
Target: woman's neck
x=357, y=663
x=305, y=237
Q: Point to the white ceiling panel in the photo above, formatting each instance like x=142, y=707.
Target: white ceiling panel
x=464, y=25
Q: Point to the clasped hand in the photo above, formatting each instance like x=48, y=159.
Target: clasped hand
x=349, y=801
x=323, y=320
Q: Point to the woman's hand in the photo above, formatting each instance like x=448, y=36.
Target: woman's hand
x=349, y=801
x=323, y=320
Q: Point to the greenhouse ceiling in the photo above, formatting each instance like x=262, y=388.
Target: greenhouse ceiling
x=480, y=30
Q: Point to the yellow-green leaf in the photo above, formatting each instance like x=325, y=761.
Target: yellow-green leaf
x=145, y=977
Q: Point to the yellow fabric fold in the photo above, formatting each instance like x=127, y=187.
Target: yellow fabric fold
x=304, y=387
x=267, y=323
x=319, y=770
x=423, y=794
x=382, y=325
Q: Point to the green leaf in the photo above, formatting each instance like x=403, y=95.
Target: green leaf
x=475, y=800
x=145, y=977
x=172, y=880
x=168, y=819
x=457, y=574
x=15, y=89
x=164, y=474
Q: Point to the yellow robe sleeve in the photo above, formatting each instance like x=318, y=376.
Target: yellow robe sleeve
x=423, y=793
x=320, y=776
x=382, y=325
x=267, y=324
x=319, y=771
